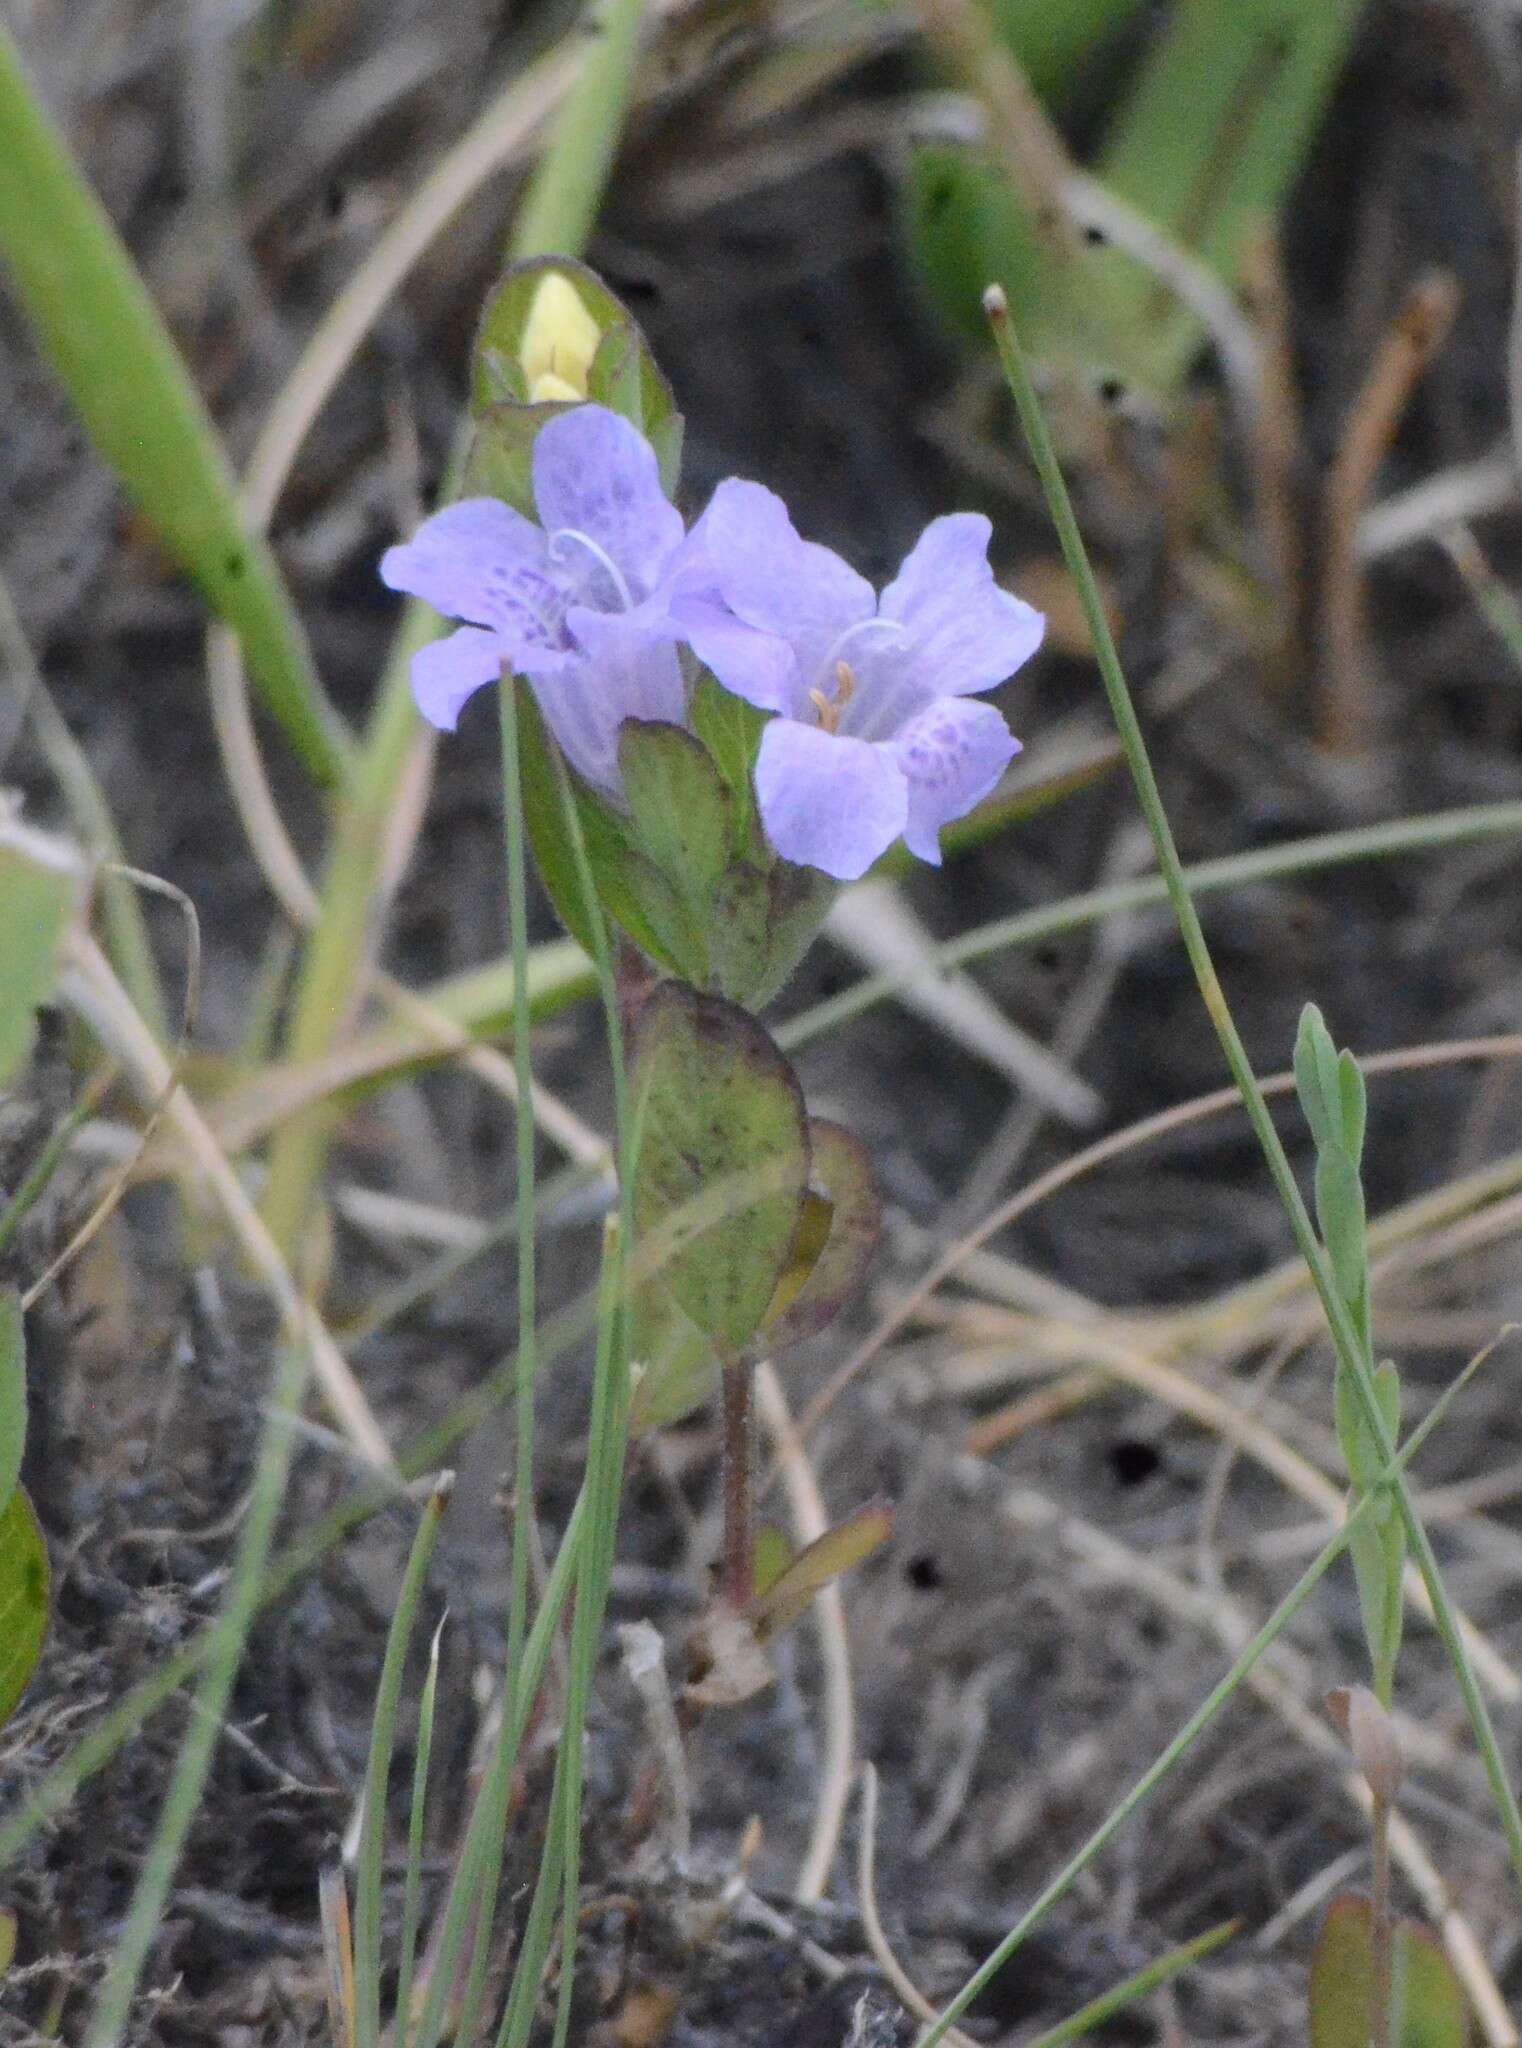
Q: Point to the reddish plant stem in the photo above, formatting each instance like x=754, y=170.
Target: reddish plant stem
x=737, y=1582
x=1381, y=1932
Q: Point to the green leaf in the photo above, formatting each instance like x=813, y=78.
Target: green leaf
x=1340, y=1208
x=723, y=1158
x=1354, y=1102
x=731, y=730
x=24, y=1580
x=607, y=841
x=500, y=460
x=740, y=935
x=12, y=1391
x=842, y=1167
x=110, y=347
x=677, y=1372
x=800, y=900
x=8, y=1932
x=1430, y=2008
x=679, y=808
x=1378, y=1549
x=847, y=1544
x=1313, y=1047
x=36, y=897
x=626, y=378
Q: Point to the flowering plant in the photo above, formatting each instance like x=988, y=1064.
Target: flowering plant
x=738, y=724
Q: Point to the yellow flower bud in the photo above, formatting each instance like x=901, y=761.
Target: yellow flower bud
x=560, y=338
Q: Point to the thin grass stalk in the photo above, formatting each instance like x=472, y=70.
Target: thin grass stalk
x=559, y=1863
x=1162, y=1970
x=113, y=2004
x=473, y=1890
x=1428, y=833
x=412, y=1884
x=1344, y=1332
x=554, y=218
x=525, y=1205
x=1197, y=1722
x=372, y=1832
x=607, y=1435
x=107, y=341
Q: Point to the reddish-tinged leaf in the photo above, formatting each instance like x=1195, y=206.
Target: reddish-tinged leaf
x=836, y=1551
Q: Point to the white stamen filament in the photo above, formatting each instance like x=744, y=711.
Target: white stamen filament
x=599, y=554
x=831, y=666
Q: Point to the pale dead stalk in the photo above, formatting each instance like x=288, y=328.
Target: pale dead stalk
x=90, y=986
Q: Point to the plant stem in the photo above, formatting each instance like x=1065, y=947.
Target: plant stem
x=737, y=1586
x=1344, y=1331
x=1203, y=1714
x=528, y=1222
x=1381, y=1933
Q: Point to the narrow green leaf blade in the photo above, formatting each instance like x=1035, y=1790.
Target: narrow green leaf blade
x=24, y=1582
x=109, y=345
x=847, y=1544
x=36, y=897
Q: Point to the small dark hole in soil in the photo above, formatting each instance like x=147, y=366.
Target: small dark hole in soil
x=1095, y=237
x=1112, y=390
x=1131, y=1460
x=924, y=1574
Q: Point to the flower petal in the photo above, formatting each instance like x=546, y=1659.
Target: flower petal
x=482, y=562
x=966, y=632
x=446, y=672
x=772, y=579
x=952, y=755
x=617, y=672
x=597, y=475
x=826, y=801
x=756, y=666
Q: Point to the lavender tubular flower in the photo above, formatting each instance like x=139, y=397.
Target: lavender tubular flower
x=875, y=737
x=575, y=603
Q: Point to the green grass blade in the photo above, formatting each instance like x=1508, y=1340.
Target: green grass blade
x=372, y=1833
x=1203, y=1714
x=1344, y=1330
x=1162, y=1970
x=412, y=1886
x=108, y=2020
x=109, y=345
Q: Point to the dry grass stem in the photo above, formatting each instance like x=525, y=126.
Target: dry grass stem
x=1348, y=712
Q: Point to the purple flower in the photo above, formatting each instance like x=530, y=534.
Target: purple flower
x=574, y=603
x=875, y=736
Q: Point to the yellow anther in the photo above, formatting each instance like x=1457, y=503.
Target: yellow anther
x=559, y=340
x=829, y=714
x=845, y=683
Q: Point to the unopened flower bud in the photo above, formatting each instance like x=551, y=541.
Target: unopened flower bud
x=1371, y=1735
x=560, y=338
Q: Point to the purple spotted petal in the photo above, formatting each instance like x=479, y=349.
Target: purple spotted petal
x=828, y=802
x=618, y=672
x=952, y=755
x=756, y=666
x=595, y=474
x=482, y=562
x=446, y=672
x=966, y=632
x=771, y=579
